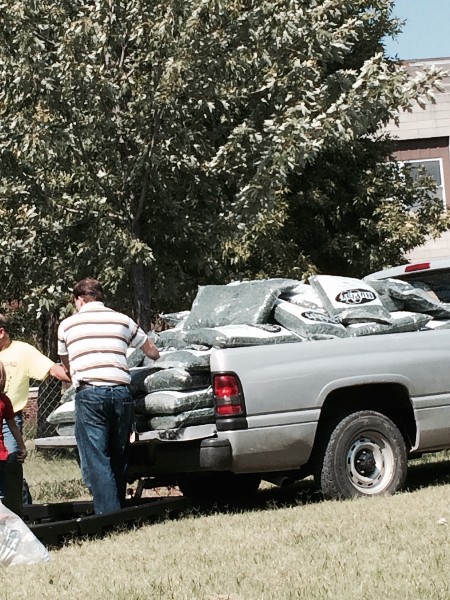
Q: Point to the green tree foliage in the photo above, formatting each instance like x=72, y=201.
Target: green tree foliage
x=160, y=145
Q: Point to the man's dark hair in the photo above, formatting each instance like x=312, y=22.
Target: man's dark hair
x=89, y=289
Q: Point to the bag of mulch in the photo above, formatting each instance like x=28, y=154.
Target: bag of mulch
x=171, y=402
x=172, y=338
x=191, y=360
x=391, y=304
x=402, y=322
x=416, y=299
x=135, y=356
x=350, y=300
x=192, y=417
x=68, y=395
x=18, y=544
x=306, y=322
x=303, y=295
x=176, y=379
x=65, y=413
x=232, y=336
x=438, y=324
x=138, y=376
x=175, y=319
x=65, y=429
x=247, y=302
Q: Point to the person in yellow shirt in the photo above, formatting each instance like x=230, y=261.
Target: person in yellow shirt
x=22, y=362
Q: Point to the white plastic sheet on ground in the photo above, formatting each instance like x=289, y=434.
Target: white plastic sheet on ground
x=18, y=544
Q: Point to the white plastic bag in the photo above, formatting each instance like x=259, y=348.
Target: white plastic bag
x=18, y=544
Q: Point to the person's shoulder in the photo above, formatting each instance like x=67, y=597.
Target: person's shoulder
x=20, y=345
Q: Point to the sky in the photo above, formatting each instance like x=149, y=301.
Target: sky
x=426, y=33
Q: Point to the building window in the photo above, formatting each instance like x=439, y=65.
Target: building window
x=433, y=168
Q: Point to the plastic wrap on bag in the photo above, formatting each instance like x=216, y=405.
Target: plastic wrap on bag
x=247, y=302
x=18, y=544
x=68, y=395
x=438, y=324
x=306, y=322
x=135, y=356
x=172, y=338
x=414, y=298
x=350, y=300
x=138, y=376
x=402, y=322
x=63, y=414
x=391, y=304
x=65, y=429
x=232, y=336
x=193, y=417
x=176, y=379
x=172, y=402
x=175, y=319
x=303, y=295
x=189, y=359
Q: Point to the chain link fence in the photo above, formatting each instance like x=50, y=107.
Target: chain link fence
x=52, y=474
x=44, y=397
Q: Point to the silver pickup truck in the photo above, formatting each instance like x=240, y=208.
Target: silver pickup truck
x=349, y=411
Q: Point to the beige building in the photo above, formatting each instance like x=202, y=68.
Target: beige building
x=423, y=139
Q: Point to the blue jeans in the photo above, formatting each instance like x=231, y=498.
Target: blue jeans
x=102, y=430
x=12, y=447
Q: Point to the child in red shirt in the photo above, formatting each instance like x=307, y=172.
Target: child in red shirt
x=7, y=413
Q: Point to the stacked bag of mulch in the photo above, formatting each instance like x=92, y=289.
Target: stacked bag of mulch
x=178, y=390
x=175, y=390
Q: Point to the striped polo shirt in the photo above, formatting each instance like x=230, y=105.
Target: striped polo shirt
x=95, y=340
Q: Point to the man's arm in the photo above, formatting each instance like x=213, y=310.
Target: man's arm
x=149, y=348
x=61, y=370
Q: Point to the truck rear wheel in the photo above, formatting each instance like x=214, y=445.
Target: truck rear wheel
x=365, y=455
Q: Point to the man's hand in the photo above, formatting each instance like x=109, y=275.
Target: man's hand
x=60, y=372
x=149, y=348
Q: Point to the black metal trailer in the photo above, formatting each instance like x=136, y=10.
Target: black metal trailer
x=55, y=523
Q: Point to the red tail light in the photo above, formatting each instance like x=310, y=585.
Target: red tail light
x=417, y=267
x=227, y=392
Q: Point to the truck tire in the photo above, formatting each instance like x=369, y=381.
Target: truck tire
x=364, y=455
x=219, y=487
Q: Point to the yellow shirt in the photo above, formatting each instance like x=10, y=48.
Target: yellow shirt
x=22, y=362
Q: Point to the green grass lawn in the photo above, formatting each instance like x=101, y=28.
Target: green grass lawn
x=53, y=476
x=287, y=544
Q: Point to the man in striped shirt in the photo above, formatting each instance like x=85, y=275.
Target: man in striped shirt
x=92, y=344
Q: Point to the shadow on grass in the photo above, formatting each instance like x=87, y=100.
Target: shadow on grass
x=300, y=493
x=423, y=475
x=420, y=475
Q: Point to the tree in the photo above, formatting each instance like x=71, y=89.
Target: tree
x=161, y=145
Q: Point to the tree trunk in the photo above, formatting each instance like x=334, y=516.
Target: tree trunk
x=140, y=285
x=48, y=335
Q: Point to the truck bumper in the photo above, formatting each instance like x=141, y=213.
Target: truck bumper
x=175, y=458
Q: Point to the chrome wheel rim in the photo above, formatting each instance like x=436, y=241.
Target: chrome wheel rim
x=370, y=463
